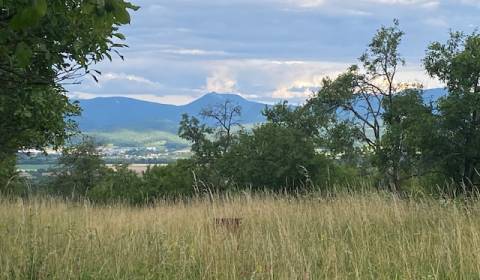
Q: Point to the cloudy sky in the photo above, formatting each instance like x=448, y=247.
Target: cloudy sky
x=265, y=50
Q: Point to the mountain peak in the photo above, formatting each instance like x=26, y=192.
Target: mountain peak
x=223, y=96
x=115, y=113
x=214, y=98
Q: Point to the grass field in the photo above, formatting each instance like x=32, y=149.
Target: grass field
x=129, y=138
x=370, y=236
x=34, y=167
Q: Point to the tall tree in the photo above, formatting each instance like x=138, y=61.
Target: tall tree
x=226, y=117
x=211, y=142
x=362, y=95
x=43, y=45
x=457, y=63
x=409, y=135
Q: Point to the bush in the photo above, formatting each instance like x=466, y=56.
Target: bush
x=80, y=169
x=171, y=180
x=120, y=184
x=272, y=157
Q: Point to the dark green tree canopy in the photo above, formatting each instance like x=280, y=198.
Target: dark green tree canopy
x=80, y=168
x=272, y=156
x=457, y=63
x=44, y=44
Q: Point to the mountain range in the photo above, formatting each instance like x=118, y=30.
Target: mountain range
x=128, y=122
x=116, y=113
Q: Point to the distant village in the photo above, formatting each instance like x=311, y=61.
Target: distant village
x=34, y=164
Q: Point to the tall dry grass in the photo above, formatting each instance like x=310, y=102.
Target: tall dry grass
x=370, y=236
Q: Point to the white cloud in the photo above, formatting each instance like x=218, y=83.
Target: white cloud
x=257, y=79
x=350, y=6
x=425, y=3
x=303, y=87
x=110, y=76
x=296, y=3
x=166, y=99
x=284, y=62
x=221, y=80
x=471, y=2
x=351, y=3
x=292, y=93
x=264, y=49
x=415, y=74
x=307, y=3
x=181, y=51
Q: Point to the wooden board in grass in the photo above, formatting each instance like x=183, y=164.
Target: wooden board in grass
x=231, y=224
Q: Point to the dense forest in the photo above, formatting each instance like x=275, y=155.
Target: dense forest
x=362, y=128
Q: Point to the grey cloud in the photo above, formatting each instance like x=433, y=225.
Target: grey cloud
x=263, y=48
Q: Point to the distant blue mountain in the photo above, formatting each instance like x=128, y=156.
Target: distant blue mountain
x=116, y=113
x=432, y=95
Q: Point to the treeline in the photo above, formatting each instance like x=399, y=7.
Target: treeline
x=363, y=125
x=362, y=128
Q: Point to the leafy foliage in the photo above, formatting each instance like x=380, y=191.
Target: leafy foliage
x=362, y=106
x=457, y=64
x=82, y=174
x=363, y=122
x=81, y=168
x=271, y=156
x=44, y=44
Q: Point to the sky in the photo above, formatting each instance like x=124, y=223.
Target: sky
x=264, y=50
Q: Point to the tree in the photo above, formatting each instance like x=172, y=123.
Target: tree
x=316, y=121
x=81, y=168
x=409, y=135
x=303, y=118
x=211, y=143
x=225, y=115
x=40, y=119
x=204, y=149
x=360, y=97
x=457, y=63
x=173, y=180
x=43, y=45
x=45, y=42
x=119, y=184
x=273, y=157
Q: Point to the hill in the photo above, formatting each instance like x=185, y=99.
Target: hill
x=120, y=113
x=127, y=122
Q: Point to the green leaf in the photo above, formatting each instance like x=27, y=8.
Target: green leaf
x=23, y=54
x=41, y=7
x=29, y=16
x=122, y=16
x=27, y=114
x=131, y=6
x=25, y=18
x=119, y=36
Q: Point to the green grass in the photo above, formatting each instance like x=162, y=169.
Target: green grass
x=130, y=138
x=371, y=236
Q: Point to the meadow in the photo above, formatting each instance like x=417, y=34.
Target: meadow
x=366, y=236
